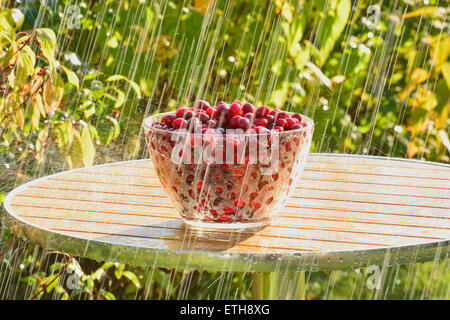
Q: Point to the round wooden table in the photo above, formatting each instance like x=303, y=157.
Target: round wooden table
x=346, y=212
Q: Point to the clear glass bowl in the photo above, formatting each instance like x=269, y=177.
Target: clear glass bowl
x=213, y=187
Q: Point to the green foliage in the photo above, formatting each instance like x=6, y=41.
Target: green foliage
x=42, y=101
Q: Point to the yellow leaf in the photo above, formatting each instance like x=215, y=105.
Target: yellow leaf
x=420, y=12
x=88, y=148
x=338, y=79
x=53, y=94
x=440, y=50
x=412, y=149
x=419, y=75
x=202, y=5
x=35, y=116
x=20, y=118
x=445, y=69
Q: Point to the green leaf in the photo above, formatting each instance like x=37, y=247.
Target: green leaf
x=108, y=295
x=47, y=39
x=331, y=28
x=87, y=147
x=120, y=100
x=25, y=65
x=71, y=77
x=116, y=126
x=132, y=277
x=5, y=60
x=133, y=84
x=35, y=116
x=11, y=19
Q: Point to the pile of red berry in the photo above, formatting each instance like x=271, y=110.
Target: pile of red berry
x=233, y=191
x=231, y=116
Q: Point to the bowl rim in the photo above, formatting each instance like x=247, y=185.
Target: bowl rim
x=147, y=122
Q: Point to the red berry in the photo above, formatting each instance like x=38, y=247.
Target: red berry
x=256, y=205
x=279, y=129
x=248, y=108
x=211, y=111
x=282, y=115
x=222, y=108
x=188, y=114
x=168, y=119
x=180, y=112
x=290, y=122
x=288, y=147
x=235, y=110
x=239, y=203
x=199, y=185
x=201, y=104
x=274, y=112
x=228, y=210
x=260, y=122
x=208, y=136
x=179, y=123
x=189, y=179
x=281, y=123
x=297, y=116
x=233, y=123
x=212, y=124
x=249, y=116
x=295, y=127
x=203, y=117
x=244, y=123
x=261, y=130
x=224, y=217
x=219, y=190
x=262, y=111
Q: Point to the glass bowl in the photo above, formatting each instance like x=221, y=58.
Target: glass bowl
x=228, y=181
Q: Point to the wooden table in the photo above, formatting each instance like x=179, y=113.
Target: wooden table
x=347, y=212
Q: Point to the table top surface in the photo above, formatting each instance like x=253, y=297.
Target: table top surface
x=347, y=211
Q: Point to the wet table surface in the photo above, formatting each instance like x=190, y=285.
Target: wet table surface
x=346, y=212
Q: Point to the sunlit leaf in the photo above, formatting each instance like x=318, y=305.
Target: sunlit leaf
x=338, y=79
x=71, y=77
x=47, y=39
x=88, y=147
x=445, y=69
x=202, y=5
x=331, y=28
x=11, y=19
x=420, y=12
x=133, y=84
x=419, y=75
x=53, y=94
x=20, y=118
x=25, y=65
x=35, y=116
x=108, y=295
x=132, y=277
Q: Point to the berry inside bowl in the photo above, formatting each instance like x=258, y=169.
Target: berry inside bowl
x=228, y=166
